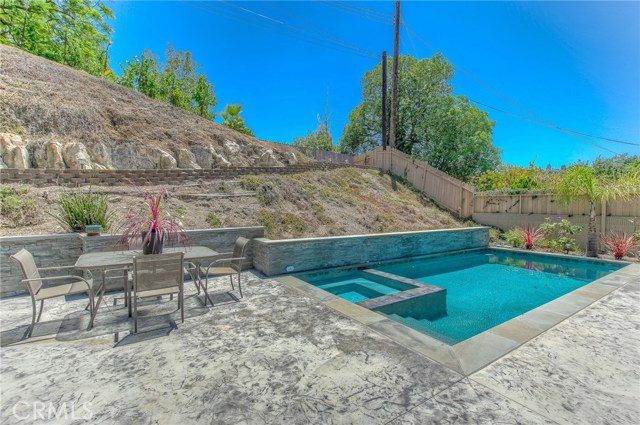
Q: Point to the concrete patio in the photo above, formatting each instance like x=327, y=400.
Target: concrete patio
x=279, y=356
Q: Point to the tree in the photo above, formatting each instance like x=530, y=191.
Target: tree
x=319, y=139
x=447, y=132
x=175, y=82
x=232, y=119
x=72, y=32
x=582, y=182
x=142, y=74
x=616, y=165
x=203, y=98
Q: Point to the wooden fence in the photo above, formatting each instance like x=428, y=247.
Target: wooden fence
x=448, y=192
x=500, y=209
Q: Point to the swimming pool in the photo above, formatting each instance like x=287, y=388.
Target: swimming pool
x=455, y=297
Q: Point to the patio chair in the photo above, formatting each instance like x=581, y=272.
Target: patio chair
x=233, y=265
x=156, y=275
x=38, y=291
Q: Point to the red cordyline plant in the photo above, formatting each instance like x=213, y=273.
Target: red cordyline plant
x=619, y=243
x=151, y=225
x=530, y=235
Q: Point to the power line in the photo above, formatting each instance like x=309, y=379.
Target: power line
x=299, y=33
x=548, y=125
x=341, y=43
x=323, y=31
x=363, y=9
x=572, y=133
x=377, y=17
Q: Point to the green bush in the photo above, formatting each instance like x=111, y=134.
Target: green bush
x=251, y=182
x=514, y=238
x=17, y=205
x=495, y=234
x=77, y=209
x=224, y=187
x=213, y=220
x=558, y=236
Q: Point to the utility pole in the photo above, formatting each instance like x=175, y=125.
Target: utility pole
x=394, y=80
x=384, y=101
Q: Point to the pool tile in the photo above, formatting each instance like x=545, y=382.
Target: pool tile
x=354, y=311
x=567, y=305
x=541, y=319
x=516, y=330
x=482, y=349
x=417, y=341
x=594, y=290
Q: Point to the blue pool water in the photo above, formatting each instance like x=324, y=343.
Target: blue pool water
x=484, y=288
x=353, y=286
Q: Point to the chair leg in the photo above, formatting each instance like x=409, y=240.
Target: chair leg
x=41, y=308
x=240, y=284
x=135, y=314
x=206, y=288
x=233, y=288
x=181, y=303
x=33, y=318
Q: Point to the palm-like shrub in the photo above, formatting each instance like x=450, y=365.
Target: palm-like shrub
x=78, y=209
x=530, y=235
x=151, y=224
x=619, y=243
x=582, y=182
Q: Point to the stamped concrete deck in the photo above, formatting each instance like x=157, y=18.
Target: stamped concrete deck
x=280, y=356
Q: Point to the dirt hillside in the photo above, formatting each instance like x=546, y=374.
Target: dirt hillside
x=338, y=202
x=53, y=116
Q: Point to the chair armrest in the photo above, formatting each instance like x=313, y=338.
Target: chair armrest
x=119, y=275
x=189, y=266
x=224, y=260
x=56, y=268
x=41, y=279
x=64, y=268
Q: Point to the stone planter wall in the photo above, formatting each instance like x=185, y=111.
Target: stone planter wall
x=64, y=249
x=275, y=257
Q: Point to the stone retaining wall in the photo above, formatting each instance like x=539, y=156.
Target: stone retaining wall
x=275, y=257
x=63, y=250
x=46, y=177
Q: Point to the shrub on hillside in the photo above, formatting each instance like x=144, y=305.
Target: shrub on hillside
x=77, y=209
x=17, y=206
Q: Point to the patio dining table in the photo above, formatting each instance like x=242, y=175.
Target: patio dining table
x=124, y=260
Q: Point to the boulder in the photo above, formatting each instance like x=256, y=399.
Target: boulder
x=101, y=155
x=76, y=157
x=186, y=159
x=48, y=155
x=167, y=161
x=230, y=148
x=268, y=159
x=290, y=158
x=13, y=151
x=207, y=157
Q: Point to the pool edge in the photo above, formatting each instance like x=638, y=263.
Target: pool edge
x=471, y=355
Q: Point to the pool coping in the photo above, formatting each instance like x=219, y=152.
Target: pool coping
x=472, y=354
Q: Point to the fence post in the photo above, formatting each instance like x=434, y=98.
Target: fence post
x=603, y=222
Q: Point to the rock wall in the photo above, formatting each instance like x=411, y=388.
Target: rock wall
x=21, y=152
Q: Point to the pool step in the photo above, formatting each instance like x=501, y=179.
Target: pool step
x=422, y=301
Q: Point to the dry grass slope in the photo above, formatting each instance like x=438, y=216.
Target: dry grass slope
x=44, y=100
x=339, y=202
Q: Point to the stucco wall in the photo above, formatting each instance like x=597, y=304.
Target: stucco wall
x=273, y=257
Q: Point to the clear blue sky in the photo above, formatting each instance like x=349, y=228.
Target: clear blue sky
x=575, y=64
